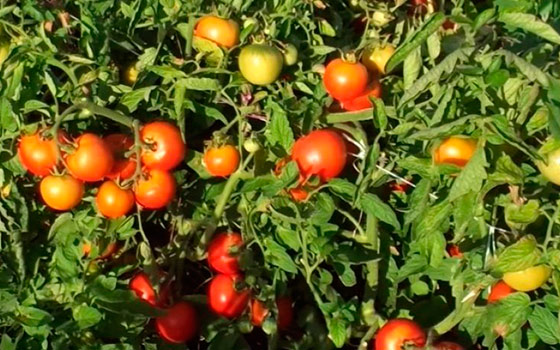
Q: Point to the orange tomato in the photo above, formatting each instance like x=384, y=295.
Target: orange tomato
x=363, y=101
x=155, y=190
x=123, y=167
x=224, y=32
x=221, y=161
x=345, y=80
x=166, y=148
x=498, y=291
x=61, y=192
x=299, y=194
x=92, y=160
x=36, y=154
x=114, y=201
x=455, y=150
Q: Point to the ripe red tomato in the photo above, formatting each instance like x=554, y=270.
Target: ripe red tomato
x=299, y=194
x=397, y=333
x=221, y=161
x=155, y=190
x=498, y=291
x=123, y=167
x=363, y=101
x=37, y=154
x=259, y=313
x=141, y=286
x=321, y=153
x=454, y=251
x=400, y=187
x=447, y=345
x=345, y=80
x=224, y=32
x=166, y=148
x=179, y=325
x=61, y=192
x=114, y=201
x=220, y=258
x=92, y=160
x=455, y=150
x=224, y=299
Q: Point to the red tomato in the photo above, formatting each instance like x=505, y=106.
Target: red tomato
x=299, y=194
x=224, y=299
x=179, y=325
x=220, y=258
x=321, y=153
x=155, y=190
x=141, y=286
x=401, y=187
x=221, y=161
x=166, y=148
x=259, y=313
x=498, y=291
x=36, y=154
x=363, y=101
x=123, y=167
x=344, y=80
x=114, y=201
x=447, y=345
x=92, y=160
x=397, y=333
x=223, y=32
x=61, y=192
x=454, y=251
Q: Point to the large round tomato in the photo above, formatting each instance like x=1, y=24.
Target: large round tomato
x=529, y=279
x=447, y=345
x=397, y=333
x=155, y=189
x=179, y=324
x=345, y=81
x=141, y=286
x=498, y=291
x=224, y=299
x=36, y=154
x=221, y=161
x=321, y=153
x=114, y=201
x=220, y=256
x=92, y=160
x=375, y=58
x=259, y=313
x=260, y=64
x=363, y=101
x=455, y=150
x=165, y=146
x=224, y=32
x=550, y=169
x=123, y=167
x=61, y=192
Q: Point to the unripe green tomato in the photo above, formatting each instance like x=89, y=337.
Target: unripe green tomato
x=260, y=64
x=251, y=145
x=290, y=55
x=551, y=168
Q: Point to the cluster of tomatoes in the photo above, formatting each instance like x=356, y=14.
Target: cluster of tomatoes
x=90, y=158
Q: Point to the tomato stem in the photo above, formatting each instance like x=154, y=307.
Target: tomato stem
x=228, y=189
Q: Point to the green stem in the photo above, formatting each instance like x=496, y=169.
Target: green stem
x=353, y=221
x=137, y=148
x=228, y=190
x=550, y=226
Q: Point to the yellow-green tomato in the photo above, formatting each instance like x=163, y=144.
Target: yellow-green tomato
x=376, y=58
x=4, y=50
x=260, y=64
x=528, y=279
x=551, y=168
x=290, y=55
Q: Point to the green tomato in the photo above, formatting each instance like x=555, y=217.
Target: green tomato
x=551, y=169
x=260, y=64
x=4, y=50
x=290, y=55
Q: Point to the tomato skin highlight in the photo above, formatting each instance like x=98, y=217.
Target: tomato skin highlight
x=221, y=161
x=455, y=150
x=113, y=201
x=141, y=286
x=551, y=169
x=529, y=279
x=92, y=160
x=224, y=300
x=363, y=101
x=37, y=155
x=219, y=256
x=166, y=148
x=260, y=64
x=61, y=192
x=156, y=190
x=344, y=80
x=322, y=153
x=179, y=325
x=123, y=168
x=224, y=32
x=498, y=291
x=398, y=332
x=376, y=58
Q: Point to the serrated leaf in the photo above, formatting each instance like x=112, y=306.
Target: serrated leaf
x=472, y=176
x=531, y=24
x=86, y=316
x=545, y=324
x=277, y=256
x=373, y=205
x=518, y=256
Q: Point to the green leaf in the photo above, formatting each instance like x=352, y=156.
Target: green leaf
x=201, y=84
x=7, y=343
x=531, y=24
x=277, y=256
x=343, y=188
x=337, y=331
x=507, y=172
x=510, y=314
x=418, y=201
x=132, y=99
x=86, y=316
x=545, y=324
x=167, y=72
x=412, y=67
x=472, y=176
x=531, y=72
x=518, y=256
x=372, y=204
x=279, y=133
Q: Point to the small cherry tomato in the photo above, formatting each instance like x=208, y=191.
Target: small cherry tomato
x=397, y=333
x=299, y=194
x=37, y=154
x=322, y=153
x=221, y=161
x=259, y=313
x=498, y=291
x=447, y=345
x=375, y=58
x=363, y=101
x=454, y=251
x=166, y=146
x=130, y=73
x=290, y=54
x=114, y=201
x=529, y=279
x=61, y=192
x=123, y=167
x=179, y=324
x=455, y=150
x=551, y=168
x=220, y=256
x=92, y=160
x=400, y=187
x=260, y=64
x=224, y=299
x=155, y=190
x=345, y=81
x=141, y=286
x=224, y=32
